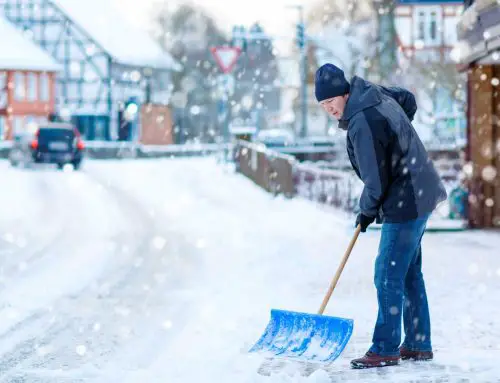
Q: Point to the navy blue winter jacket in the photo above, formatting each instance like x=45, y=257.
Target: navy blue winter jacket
x=400, y=181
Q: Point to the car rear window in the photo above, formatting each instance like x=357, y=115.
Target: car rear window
x=55, y=134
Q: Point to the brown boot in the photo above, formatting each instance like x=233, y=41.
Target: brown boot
x=407, y=354
x=374, y=360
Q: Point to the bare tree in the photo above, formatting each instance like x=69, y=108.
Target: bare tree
x=187, y=33
x=367, y=28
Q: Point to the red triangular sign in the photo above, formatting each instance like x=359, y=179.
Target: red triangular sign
x=226, y=57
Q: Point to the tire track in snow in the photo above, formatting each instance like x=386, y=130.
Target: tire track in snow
x=118, y=282
x=20, y=258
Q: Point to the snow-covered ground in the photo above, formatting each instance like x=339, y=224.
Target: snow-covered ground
x=166, y=270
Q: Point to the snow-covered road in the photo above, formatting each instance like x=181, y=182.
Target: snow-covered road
x=166, y=270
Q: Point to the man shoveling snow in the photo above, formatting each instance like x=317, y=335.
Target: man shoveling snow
x=401, y=189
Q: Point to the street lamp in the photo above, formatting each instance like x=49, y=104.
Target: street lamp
x=302, y=44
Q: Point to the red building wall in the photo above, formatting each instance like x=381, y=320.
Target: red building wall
x=26, y=108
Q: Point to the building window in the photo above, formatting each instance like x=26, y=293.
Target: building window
x=32, y=91
x=100, y=129
x=2, y=127
x=19, y=86
x=421, y=26
x=17, y=125
x=433, y=26
x=3, y=90
x=44, y=87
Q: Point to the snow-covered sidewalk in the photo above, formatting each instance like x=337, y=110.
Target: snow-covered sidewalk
x=258, y=253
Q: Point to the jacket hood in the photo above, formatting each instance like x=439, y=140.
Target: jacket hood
x=363, y=95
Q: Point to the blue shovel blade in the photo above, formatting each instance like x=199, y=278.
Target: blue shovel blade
x=306, y=337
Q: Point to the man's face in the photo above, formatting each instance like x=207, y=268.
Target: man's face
x=335, y=106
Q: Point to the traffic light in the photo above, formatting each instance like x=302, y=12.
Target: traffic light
x=300, y=35
x=239, y=37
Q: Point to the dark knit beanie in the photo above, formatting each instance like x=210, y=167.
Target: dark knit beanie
x=330, y=82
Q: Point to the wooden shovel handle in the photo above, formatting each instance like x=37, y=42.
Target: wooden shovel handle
x=339, y=271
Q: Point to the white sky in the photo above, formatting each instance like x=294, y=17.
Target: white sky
x=273, y=15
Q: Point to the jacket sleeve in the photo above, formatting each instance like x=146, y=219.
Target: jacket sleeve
x=404, y=98
x=370, y=144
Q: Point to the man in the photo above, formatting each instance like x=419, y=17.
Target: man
x=401, y=188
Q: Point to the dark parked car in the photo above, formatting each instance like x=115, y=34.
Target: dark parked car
x=55, y=143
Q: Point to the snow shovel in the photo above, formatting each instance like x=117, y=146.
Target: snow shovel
x=308, y=337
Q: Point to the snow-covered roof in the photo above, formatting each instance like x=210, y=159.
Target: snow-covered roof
x=125, y=42
x=18, y=52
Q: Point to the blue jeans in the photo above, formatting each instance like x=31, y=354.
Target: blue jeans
x=401, y=290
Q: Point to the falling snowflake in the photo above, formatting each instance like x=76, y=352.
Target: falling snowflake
x=419, y=44
x=167, y=324
x=472, y=199
x=489, y=202
x=90, y=49
x=489, y=173
x=468, y=169
x=495, y=81
x=487, y=151
x=81, y=350
x=135, y=76
x=195, y=110
x=43, y=350
x=201, y=243
x=473, y=268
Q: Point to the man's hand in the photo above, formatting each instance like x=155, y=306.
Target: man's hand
x=364, y=221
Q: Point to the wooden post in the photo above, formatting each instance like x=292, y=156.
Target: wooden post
x=481, y=144
x=496, y=145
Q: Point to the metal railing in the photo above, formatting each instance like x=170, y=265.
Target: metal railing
x=283, y=174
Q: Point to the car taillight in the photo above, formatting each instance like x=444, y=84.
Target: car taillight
x=34, y=144
x=80, y=145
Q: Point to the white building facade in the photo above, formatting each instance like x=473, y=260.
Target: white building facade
x=426, y=33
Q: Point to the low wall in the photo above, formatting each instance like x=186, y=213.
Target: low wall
x=122, y=150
